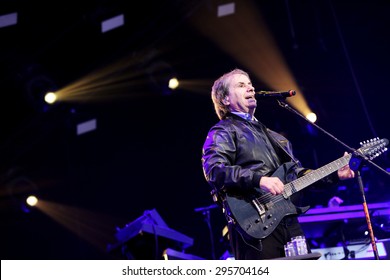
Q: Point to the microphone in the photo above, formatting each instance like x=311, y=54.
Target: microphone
x=275, y=94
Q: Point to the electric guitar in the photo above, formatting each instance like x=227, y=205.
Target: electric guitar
x=259, y=214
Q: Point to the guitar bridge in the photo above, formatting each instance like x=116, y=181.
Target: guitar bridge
x=259, y=208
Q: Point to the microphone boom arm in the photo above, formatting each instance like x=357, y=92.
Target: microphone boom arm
x=353, y=151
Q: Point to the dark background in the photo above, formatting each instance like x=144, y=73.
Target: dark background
x=145, y=153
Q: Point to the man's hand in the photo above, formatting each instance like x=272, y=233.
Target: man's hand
x=271, y=184
x=345, y=172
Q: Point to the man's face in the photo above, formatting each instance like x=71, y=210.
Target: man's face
x=241, y=96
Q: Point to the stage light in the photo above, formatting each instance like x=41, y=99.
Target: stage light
x=162, y=77
x=112, y=23
x=29, y=202
x=226, y=9
x=173, y=83
x=8, y=19
x=23, y=192
x=37, y=84
x=311, y=117
x=50, y=97
x=32, y=200
x=86, y=126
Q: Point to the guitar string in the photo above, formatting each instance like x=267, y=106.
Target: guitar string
x=289, y=186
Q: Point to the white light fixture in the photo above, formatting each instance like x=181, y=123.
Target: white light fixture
x=112, y=23
x=226, y=9
x=8, y=19
x=86, y=126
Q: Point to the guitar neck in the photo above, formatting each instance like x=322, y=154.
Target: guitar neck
x=315, y=175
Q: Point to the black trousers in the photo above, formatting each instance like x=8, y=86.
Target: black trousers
x=272, y=246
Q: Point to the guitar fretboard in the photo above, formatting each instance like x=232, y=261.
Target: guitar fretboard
x=315, y=175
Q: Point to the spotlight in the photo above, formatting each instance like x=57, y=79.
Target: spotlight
x=38, y=85
x=23, y=192
x=29, y=203
x=173, y=83
x=32, y=200
x=162, y=77
x=50, y=97
x=311, y=117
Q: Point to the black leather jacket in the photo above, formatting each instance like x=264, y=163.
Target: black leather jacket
x=238, y=152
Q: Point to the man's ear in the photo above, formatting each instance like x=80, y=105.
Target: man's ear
x=226, y=101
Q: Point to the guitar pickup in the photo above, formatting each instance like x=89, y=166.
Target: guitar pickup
x=259, y=208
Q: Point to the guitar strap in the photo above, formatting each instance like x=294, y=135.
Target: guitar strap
x=280, y=151
x=286, y=159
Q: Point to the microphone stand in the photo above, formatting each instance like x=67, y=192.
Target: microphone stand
x=207, y=218
x=355, y=164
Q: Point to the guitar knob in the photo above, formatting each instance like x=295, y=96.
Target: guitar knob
x=269, y=216
x=257, y=221
x=265, y=228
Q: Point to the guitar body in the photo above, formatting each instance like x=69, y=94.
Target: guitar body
x=260, y=219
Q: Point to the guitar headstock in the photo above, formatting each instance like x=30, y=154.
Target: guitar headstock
x=373, y=148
